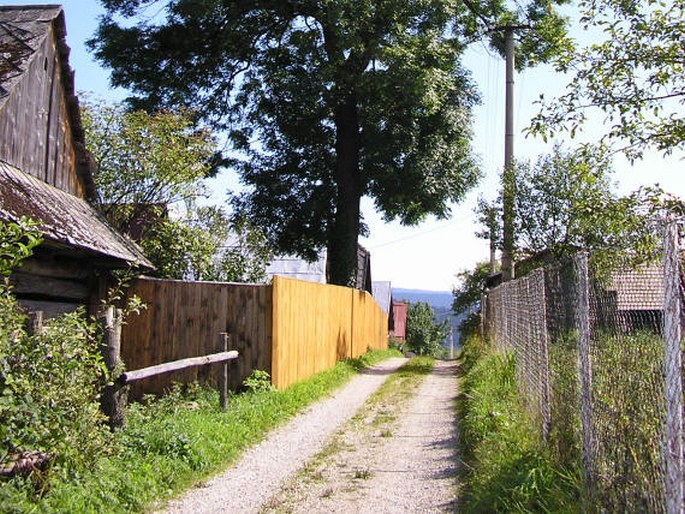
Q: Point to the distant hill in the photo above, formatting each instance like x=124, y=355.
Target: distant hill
x=436, y=299
x=441, y=301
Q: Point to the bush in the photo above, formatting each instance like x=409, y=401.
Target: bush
x=258, y=381
x=50, y=381
x=473, y=348
x=424, y=335
x=50, y=388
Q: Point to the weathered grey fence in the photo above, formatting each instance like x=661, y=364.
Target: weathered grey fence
x=599, y=366
x=115, y=395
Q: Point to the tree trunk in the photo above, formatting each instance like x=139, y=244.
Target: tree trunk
x=342, y=241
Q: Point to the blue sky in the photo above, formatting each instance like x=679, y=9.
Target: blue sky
x=430, y=255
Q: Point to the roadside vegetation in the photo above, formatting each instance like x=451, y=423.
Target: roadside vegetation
x=172, y=442
x=507, y=468
x=425, y=336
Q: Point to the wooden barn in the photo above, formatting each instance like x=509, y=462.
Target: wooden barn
x=46, y=171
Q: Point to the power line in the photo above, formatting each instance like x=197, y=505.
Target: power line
x=420, y=234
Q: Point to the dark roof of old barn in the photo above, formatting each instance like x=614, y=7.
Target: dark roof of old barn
x=22, y=31
x=64, y=220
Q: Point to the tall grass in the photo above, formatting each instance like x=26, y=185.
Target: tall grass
x=507, y=468
x=173, y=442
x=627, y=414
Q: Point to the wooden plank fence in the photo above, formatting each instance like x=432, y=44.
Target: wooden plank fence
x=183, y=319
x=291, y=329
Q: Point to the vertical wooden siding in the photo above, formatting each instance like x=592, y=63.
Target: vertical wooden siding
x=292, y=329
x=35, y=127
x=184, y=319
x=315, y=325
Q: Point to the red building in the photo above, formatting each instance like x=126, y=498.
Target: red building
x=399, y=312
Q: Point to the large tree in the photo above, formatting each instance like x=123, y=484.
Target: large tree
x=327, y=101
x=632, y=77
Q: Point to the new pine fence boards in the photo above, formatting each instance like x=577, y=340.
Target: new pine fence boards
x=315, y=325
x=292, y=329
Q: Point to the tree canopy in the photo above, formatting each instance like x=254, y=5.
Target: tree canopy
x=471, y=286
x=145, y=160
x=425, y=336
x=150, y=176
x=633, y=75
x=325, y=101
x=564, y=203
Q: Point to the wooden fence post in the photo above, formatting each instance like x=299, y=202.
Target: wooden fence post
x=115, y=395
x=35, y=326
x=223, y=372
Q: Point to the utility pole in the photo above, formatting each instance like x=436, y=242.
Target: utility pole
x=509, y=174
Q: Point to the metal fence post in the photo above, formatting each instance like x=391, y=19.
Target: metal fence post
x=541, y=325
x=583, y=324
x=223, y=372
x=673, y=447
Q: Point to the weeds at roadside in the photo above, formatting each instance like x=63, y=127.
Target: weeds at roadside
x=175, y=441
x=362, y=474
x=506, y=469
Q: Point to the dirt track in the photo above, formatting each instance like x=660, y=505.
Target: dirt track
x=326, y=461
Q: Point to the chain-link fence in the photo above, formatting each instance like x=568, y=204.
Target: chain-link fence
x=599, y=366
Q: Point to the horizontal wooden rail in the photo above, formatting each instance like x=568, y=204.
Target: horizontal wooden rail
x=132, y=376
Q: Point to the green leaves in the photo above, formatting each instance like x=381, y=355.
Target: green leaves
x=145, y=160
x=470, y=290
x=632, y=77
x=17, y=241
x=424, y=335
x=147, y=163
x=50, y=384
x=565, y=203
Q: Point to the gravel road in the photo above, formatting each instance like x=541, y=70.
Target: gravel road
x=408, y=467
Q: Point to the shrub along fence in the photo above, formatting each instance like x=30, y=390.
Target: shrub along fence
x=291, y=328
x=599, y=365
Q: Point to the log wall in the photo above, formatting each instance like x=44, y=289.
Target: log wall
x=35, y=125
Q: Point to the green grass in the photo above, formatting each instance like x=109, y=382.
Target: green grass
x=627, y=413
x=172, y=443
x=506, y=469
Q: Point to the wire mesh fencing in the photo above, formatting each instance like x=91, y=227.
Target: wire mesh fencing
x=599, y=367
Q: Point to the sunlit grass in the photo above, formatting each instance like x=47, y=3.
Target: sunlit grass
x=174, y=442
x=507, y=468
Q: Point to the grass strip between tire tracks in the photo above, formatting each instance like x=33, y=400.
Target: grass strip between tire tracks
x=377, y=418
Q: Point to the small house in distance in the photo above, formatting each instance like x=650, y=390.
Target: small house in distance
x=46, y=173
x=382, y=293
x=399, y=313
x=291, y=266
x=632, y=301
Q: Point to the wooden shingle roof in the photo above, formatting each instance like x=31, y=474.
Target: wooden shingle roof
x=640, y=289
x=64, y=220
